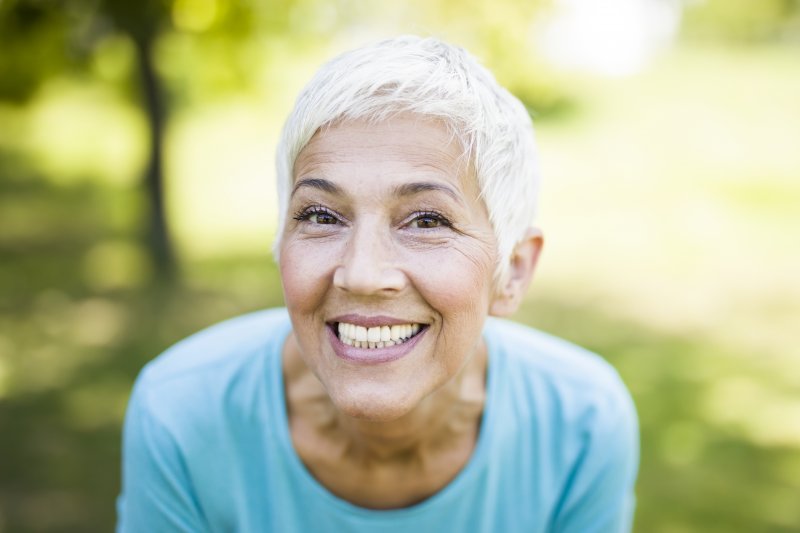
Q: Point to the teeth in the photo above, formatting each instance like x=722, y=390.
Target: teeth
x=376, y=337
x=374, y=334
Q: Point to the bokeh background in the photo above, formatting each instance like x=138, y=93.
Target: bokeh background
x=136, y=207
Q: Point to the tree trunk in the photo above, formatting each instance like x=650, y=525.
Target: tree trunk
x=157, y=227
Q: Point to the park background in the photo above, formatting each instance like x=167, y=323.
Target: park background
x=136, y=207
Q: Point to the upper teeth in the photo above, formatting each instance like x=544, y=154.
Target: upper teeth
x=376, y=337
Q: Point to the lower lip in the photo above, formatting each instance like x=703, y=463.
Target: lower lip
x=372, y=356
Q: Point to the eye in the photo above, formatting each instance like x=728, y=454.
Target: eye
x=322, y=218
x=317, y=215
x=429, y=220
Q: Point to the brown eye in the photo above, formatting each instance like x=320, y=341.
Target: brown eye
x=429, y=220
x=322, y=218
x=317, y=215
x=426, y=222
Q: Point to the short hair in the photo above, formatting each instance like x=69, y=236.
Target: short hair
x=431, y=78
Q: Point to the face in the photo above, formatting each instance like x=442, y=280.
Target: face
x=386, y=261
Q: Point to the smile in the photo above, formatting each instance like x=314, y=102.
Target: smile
x=373, y=340
x=377, y=336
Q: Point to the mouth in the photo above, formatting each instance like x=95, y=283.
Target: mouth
x=372, y=340
x=378, y=336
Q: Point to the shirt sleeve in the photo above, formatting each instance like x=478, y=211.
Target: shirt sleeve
x=157, y=495
x=599, y=494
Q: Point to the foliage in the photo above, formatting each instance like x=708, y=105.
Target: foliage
x=744, y=21
x=33, y=44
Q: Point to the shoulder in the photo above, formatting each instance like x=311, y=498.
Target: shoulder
x=214, y=365
x=226, y=343
x=549, y=357
x=567, y=384
x=574, y=422
x=196, y=410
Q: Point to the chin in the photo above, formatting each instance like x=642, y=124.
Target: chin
x=382, y=406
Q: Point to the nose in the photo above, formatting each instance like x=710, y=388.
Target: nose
x=368, y=264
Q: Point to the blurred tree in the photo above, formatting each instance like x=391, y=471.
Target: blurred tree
x=32, y=36
x=42, y=40
x=142, y=22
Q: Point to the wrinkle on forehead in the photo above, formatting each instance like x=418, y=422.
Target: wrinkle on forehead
x=348, y=146
x=353, y=141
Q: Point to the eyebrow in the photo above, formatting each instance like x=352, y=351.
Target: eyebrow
x=410, y=189
x=320, y=184
x=406, y=189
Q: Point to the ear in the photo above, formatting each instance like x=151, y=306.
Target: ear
x=520, y=271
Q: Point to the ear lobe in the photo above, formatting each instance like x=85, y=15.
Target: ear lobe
x=520, y=272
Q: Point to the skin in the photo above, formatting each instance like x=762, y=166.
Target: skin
x=361, y=240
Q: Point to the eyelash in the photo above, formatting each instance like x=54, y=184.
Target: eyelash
x=308, y=212
x=305, y=214
x=438, y=217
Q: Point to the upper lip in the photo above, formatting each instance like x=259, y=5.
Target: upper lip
x=372, y=321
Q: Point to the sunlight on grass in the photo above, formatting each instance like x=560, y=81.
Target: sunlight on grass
x=117, y=264
x=765, y=415
x=682, y=443
x=97, y=322
x=97, y=404
x=57, y=338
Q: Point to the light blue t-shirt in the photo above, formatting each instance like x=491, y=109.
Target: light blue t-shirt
x=207, y=444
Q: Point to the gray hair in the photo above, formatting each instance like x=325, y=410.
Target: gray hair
x=431, y=78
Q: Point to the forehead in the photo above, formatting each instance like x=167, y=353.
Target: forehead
x=403, y=147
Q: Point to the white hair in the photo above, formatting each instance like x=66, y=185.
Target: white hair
x=428, y=77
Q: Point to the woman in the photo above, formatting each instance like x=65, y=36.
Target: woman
x=382, y=398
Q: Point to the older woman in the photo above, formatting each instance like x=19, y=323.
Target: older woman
x=383, y=398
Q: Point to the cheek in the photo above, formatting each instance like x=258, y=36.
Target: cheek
x=458, y=287
x=457, y=278
x=304, y=274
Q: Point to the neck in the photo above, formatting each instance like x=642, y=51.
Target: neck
x=449, y=415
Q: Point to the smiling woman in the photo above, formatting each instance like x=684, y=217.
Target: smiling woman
x=397, y=236
x=383, y=397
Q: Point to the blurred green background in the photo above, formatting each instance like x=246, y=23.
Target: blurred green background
x=670, y=144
